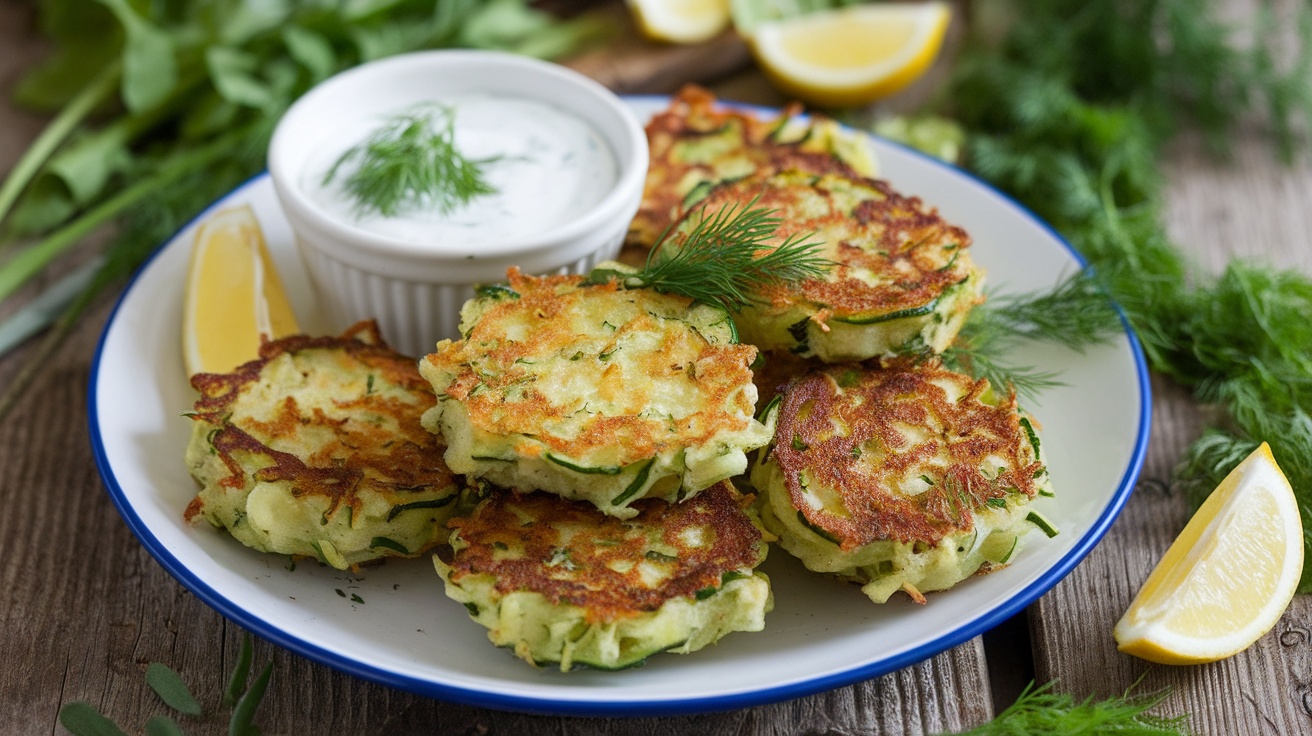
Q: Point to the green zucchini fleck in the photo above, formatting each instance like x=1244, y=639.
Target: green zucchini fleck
x=585, y=469
x=495, y=291
x=1042, y=523
x=817, y=530
x=870, y=319
x=639, y=481
x=432, y=503
x=391, y=544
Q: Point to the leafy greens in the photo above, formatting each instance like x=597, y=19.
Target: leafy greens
x=163, y=107
x=1070, y=113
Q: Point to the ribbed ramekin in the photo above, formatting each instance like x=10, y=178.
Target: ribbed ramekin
x=415, y=290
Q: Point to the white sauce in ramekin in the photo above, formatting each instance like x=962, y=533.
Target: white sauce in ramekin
x=550, y=168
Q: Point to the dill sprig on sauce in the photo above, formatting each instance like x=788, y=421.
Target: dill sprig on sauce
x=726, y=259
x=412, y=162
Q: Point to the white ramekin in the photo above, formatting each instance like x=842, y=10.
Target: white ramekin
x=415, y=291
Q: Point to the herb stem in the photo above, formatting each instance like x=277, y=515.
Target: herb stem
x=54, y=134
x=30, y=261
x=725, y=259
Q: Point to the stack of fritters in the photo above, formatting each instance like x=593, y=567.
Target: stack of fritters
x=599, y=426
x=936, y=493
x=610, y=419
x=316, y=449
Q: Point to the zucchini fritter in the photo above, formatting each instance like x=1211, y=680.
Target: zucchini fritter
x=907, y=477
x=316, y=449
x=902, y=281
x=558, y=581
x=594, y=392
x=694, y=143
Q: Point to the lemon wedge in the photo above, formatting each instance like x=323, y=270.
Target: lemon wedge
x=680, y=21
x=853, y=55
x=1227, y=578
x=233, y=295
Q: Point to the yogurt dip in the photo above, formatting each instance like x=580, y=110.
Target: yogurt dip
x=547, y=167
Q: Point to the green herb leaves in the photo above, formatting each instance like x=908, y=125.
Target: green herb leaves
x=1076, y=313
x=170, y=688
x=1039, y=712
x=725, y=259
x=1069, y=114
x=82, y=719
x=411, y=162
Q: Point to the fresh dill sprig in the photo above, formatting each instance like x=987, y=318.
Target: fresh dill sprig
x=1039, y=712
x=725, y=259
x=412, y=162
x=1076, y=313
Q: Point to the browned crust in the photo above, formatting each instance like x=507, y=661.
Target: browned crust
x=913, y=253
x=568, y=548
x=484, y=365
x=872, y=403
x=356, y=454
x=693, y=114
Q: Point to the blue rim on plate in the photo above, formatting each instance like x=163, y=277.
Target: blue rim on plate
x=555, y=705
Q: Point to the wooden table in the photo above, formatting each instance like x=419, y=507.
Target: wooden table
x=85, y=608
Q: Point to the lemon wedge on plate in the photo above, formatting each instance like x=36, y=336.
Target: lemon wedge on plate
x=233, y=295
x=1227, y=578
x=680, y=21
x=853, y=55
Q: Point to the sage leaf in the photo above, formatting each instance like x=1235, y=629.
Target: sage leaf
x=86, y=42
x=231, y=70
x=162, y=726
x=150, y=71
x=244, y=712
x=82, y=719
x=86, y=164
x=170, y=688
x=311, y=50
x=241, y=671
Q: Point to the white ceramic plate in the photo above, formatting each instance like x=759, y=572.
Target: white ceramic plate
x=394, y=625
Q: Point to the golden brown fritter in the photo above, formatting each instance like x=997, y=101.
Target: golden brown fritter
x=902, y=280
x=316, y=448
x=911, y=451
x=695, y=141
x=902, y=477
x=560, y=582
x=573, y=554
x=593, y=391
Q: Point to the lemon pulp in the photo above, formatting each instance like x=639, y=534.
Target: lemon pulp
x=233, y=295
x=680, y=21
x=1227, y=578
x=852, y=55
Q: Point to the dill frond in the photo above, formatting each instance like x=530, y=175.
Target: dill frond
x=1076, y=313
x=1040, y=711
x=412, y=162
x=1070, y=113
x=726, y=259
